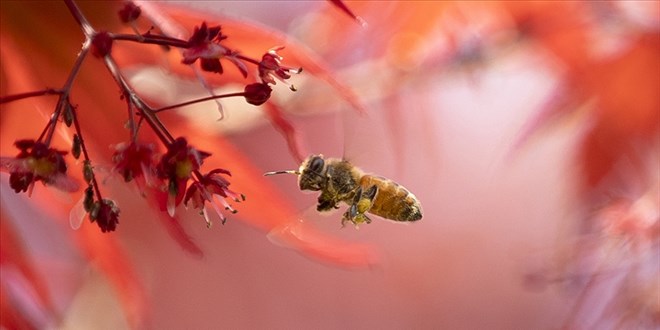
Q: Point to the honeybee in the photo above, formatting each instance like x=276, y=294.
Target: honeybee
x=340, y=181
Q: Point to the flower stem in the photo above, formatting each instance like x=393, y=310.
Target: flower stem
x=15, y=97
x=83, y=148
x=64, y=93
x=152, y=39
x=145, y=111
x=247, y=59
x=133, y=127
x=77, y=14
x=208, y=98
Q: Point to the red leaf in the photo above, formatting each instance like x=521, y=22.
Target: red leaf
x=287, y=130
x=343, y=7
x=13, y=255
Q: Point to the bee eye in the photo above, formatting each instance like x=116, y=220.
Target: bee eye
x=316, y=165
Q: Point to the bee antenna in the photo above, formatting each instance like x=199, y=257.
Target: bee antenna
x=296, y=172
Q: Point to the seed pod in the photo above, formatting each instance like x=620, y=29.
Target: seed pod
x=75, y=148
x=88, y=202
x=88, y=171
x=94, y=212
x=173, y=188
x=68, y=114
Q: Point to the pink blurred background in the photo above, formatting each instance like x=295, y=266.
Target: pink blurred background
x=448, y=120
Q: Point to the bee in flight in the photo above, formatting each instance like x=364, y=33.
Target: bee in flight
x=340, y=181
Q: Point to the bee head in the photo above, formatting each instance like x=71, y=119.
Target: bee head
x=312, y=173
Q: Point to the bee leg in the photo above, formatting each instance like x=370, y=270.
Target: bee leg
x=366, y=199
x=349, y=215
x=325, y=203
x=353, y=216
x=362, y=203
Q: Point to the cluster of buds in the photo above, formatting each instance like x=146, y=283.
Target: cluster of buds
x=205, y=45
x=175, y=176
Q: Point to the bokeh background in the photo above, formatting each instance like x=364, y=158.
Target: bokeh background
x=528, y=131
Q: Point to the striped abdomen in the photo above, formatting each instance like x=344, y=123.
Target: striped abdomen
x=392, y=201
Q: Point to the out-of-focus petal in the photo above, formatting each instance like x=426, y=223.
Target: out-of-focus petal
x=14, y=258
x=176, y=231
x=287, y=130
x=12, y=317
x=313, y=243
x=108, y=255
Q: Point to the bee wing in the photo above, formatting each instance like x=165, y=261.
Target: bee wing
x=77, y=214
x=302, y=236
x=366, y=141
x=278, y=235
x=10, y=164
x=65, y=183
x=355, y=130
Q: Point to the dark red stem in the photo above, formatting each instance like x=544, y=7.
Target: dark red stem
x=80, y=18
x=15, y=97
x=64, y=95
x=152, y=39
x=145, y=111
x=208, y=98
x=76, y=125
x=247, y=59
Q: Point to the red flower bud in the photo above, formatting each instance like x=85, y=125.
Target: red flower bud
x=129, y=13
x=101, y=44
x=257, y=93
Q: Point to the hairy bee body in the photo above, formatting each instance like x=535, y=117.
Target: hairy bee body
x=339, y=181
